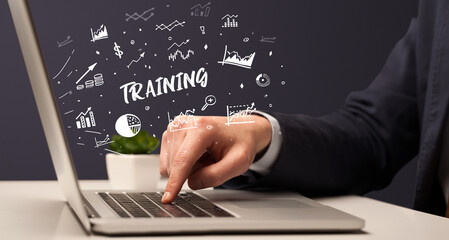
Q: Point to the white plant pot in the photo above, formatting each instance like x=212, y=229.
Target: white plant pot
x=137, y=172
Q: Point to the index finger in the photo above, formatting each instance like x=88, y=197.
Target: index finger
x=188, y=154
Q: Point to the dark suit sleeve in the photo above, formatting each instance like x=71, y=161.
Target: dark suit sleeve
x=357, y=149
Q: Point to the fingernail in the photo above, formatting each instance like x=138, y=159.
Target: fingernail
x=166, y=196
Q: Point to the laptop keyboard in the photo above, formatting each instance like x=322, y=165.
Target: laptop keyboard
x=148, y=205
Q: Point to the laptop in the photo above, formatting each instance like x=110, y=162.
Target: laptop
x=113, y=212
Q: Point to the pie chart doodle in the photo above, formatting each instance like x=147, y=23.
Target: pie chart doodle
x=263, y=80
x=128, y=125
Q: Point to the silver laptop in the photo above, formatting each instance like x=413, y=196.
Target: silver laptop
x=116, y=212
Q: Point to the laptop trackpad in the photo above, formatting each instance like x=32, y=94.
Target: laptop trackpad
x=269, y=203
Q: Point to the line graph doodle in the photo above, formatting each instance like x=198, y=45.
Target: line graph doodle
x=240, y=115
x=136, y=61
x=174, y=56
x=171, y=26
x=100, y=143
x=101, y=33
x=179, y=45
x=184, y=121
x=65, y=64
x=135, y=16
x=65, y=42
x=233, y=58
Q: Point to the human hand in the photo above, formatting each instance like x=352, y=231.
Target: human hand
x=211, y=153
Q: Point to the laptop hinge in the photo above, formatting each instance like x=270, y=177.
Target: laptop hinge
x=91, y=213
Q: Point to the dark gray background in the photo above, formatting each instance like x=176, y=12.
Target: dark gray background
x=347, y=42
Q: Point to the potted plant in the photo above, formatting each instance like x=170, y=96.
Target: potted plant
x=133, y=167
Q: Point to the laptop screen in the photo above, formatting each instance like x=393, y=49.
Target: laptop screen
x=121, y=67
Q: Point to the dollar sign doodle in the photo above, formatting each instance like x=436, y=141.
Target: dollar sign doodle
x=117, y=50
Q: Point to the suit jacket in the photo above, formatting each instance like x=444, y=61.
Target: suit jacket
x=399, y=117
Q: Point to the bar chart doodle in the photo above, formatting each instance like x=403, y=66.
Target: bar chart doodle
x=85, y=119
x=230, y=21
x=200, y=10
x=171, y=26
x=144, y=15
x=233, y=58
x=101, y=33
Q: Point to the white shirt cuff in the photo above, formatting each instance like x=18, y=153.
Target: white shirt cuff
x=264, y=164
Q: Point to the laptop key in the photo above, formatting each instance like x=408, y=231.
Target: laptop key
x=206, y=205
x=174, y=210
x=190, y=208
x=148, y=205
x=111, y=203
x=129, y=205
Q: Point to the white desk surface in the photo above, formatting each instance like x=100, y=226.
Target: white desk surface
x=34, y=210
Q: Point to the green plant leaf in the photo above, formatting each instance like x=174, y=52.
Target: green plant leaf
x=142, y=143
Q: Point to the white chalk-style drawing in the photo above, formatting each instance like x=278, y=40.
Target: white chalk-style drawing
x=242, y=86
x=145, y=15
x=233, y=58
x=69, y=112
x=89, y=69
x=184, y=121
x=98, y=81
x=70, y=73
x=65, y=42
x=179, y=45
x=101, y=33
x=239, y=114
x=105, y=141
x=85, y=119
x=65, y=94
x=174, y=56
x=128, y=125
x=136, y=61
x=263, y=80
x=246, y=39
x=270, y=53
x=203, y=29
x=230, y=21
x=200, y=10
x=65, y=64
x=209, y=100
x=81, y=144
x=171, y=26
x=206, y=47
x=268, y=39
x=109, y=150
x=117, y=50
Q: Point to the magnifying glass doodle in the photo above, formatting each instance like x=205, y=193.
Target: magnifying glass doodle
x=210, y=100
